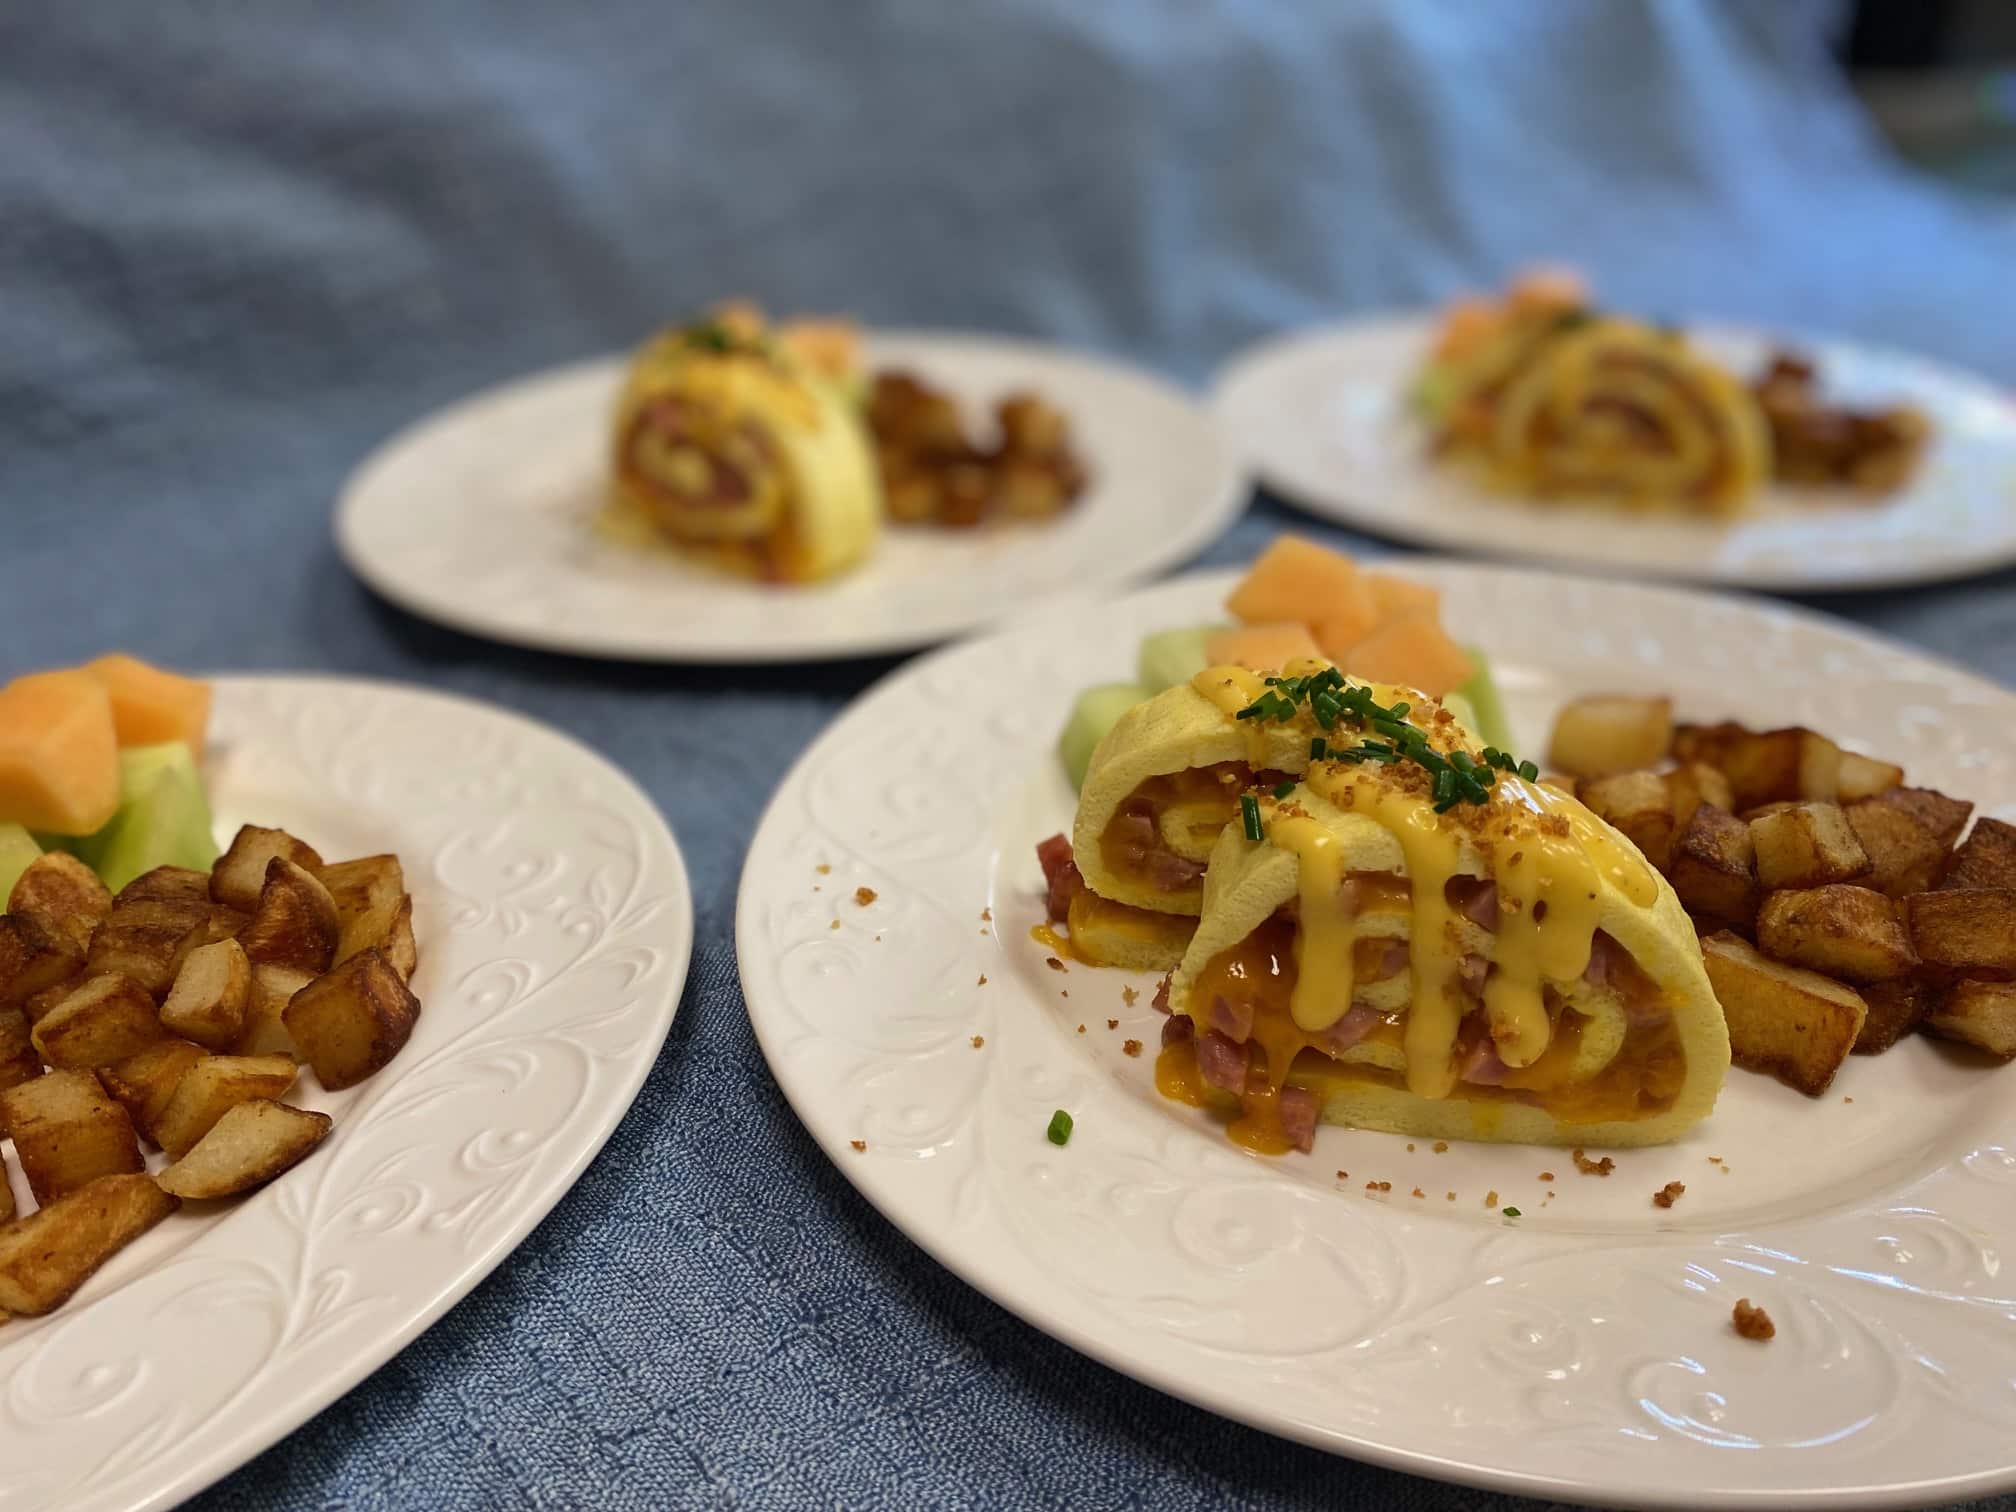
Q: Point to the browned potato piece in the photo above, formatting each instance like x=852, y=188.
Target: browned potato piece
x=1981, y=1014
x=1713, y=869
x=240, y=873
x=38, y=1006
x=1987, y=858
x=265, y=1031
x=365, y=889
x=210, y=1087
x=166, y=884
x=46, y=1256
x=34, y=957
x=6, y=1206
x=63, y=893
x=224, y=923
x=147, y=939
x=1561, y=782
x=1894, y=1011
x=1863, y=777
x=1807, y=845
x=1904, y=856
x=295, y=922
x=1944, y=817
x=1765, y=767
x=1641, y=806
x=207, y=1002
x=106, y=1019
x=1965, y=932
x=143, y=1083
x=1850, y=933
x=1797, y=1025
x=1605, y=734
x=67, y=1132
x=250, y=1145
x=352, y=1021
x=18, y=1058
x=1692, y=784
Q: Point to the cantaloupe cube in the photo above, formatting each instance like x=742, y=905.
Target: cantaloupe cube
x=1262, y=648
x=1414, y=651
x=1397, y=596
x=1296, y=579
x=59, y=756
x=152, y=707
x=1546, y=287
x=1466, y=323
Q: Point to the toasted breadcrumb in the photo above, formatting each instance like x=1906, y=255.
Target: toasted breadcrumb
x=1410, y=1147
x=1546, y=1175
x=1054, y=964
x=1490, y=1199
x=864, y=896
x=1419, y=1193
x=1065, y=993
x=1590, y=1167
x=1847, y=1099
x=1378, y=1186
x=1132, y=1047
x=1440, y=1147
x=1112, y=1023
x=823, y=869
x=834, y=925
x=1669, y=1194
x=859, y=1144
x=1129, y=996
x=1081, y=1028
x=986, y=916
x=1343, y=1175
x=983, y=980
x=1751, y=1321
x=979, y=1040
x=1449, y=1196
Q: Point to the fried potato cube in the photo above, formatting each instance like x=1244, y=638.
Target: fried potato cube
x=239, y=876
x=1944, y=817
x=46, y=1256
x=67, y=1132
x=1850, y=933
x=1713, y=869
x=34, y=957
x=142, y=1084
x=246, y=1148
x=19, y=1060
x=1692, y=784
x=207, y=1002
x=353, y=1020
x=38, y=1006
x=6, y=1208
x=1981, y=1014
x=373, y=910
x=166, y=884
x=1863, y=777
x=1895, y=1009
x=1640, y=805
x=61, y=892
x=1904, y=856
x=148, y=939
x=1795, y=1024
x=1965, y=932
x=1766, y=767
x=1807, y=845
x=213, y=1085
x=265, y=1031
x=106, y=1019
x=1605, y=734
x=1986, y=858
x=295, y=922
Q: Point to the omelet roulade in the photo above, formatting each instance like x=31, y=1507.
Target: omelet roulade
x=1508, y=970
x=729, y=446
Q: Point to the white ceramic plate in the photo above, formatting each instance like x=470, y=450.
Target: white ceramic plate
x=1584, y=1351
x=555, y=926
x=479, y=517
x=1322, y=419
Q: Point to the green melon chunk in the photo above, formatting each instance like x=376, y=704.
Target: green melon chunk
x=1169, y=657
x=1096, y=711
x=163, y=818
x=1487, y=709
x=17, y=850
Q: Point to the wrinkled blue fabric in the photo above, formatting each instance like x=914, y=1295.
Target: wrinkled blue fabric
x=238, y=245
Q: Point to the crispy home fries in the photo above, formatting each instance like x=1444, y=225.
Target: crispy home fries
x=155, y=995
x=1839, y=909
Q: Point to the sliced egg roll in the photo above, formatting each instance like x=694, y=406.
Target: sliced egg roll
x=1511, y=970
x=730, y=448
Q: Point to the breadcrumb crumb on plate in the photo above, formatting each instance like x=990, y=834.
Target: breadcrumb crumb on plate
x=1752, y=1322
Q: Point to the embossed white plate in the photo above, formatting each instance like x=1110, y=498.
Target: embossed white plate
x=555, y=925
x=480, y=517
x=1322, y=418
x=1583, y=1350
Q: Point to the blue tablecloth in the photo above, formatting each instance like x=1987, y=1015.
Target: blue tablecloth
x=240, y=244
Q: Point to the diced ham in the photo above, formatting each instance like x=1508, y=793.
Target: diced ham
x=1392, y=961
x=1221, y=1061
x=1168, y=872
x=1475, y=898
x=1177, y=1029
x=1483, y=1066
x=1470, y=973
x=1350, y=1029
x=1233, y=1020
x=1611, y=965
x=1060, y=874
x=1134, y=832
x=1298, y=1108
x=1160, y=1002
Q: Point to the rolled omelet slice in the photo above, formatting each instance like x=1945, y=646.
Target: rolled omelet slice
x=729, y=447
x=1167, y=779
x=1511, y=971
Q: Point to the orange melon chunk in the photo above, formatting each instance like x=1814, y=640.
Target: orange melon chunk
x=151, y=707
x=1397, y=596
x=59, y=755
x=1261, y=648
x=1296, y=579
x=1412, y=650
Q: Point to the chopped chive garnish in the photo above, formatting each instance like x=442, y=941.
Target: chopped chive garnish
x=1059, y=1132
x=1445, y=785
x=1510, y=1212
x=1283, y=789
x=1529, y=771
x=1318, y=748
x=1249, y=814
